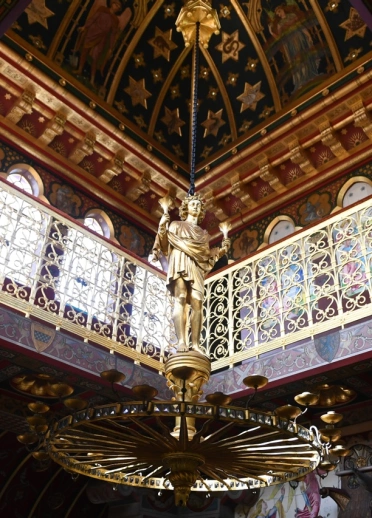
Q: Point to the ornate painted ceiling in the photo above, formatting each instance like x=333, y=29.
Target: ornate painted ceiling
x=130, y=59
x=284, y=101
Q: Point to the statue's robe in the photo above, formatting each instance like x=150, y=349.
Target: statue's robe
x=186, y=247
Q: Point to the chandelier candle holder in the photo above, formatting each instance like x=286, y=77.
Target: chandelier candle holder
x=325, y=396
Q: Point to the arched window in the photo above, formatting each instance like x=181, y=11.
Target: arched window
x=26, y=178
x=283, y=227
x=354, y=190
x=20, y=181
x=22, y=229
x=98, y=221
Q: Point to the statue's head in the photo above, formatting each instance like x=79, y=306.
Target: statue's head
x=185, y=206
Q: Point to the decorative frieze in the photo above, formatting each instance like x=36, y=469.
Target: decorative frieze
x=213, y=205
x=362, y=118
x=142, y=186
x=267, y=174
x=240, y=190
x=299, y=157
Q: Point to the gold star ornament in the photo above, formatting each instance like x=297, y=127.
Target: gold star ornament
x=213, y=123
x=172, y=120
x=137, y=91
x=250, y=97
x=162, y=43
x=354, y=26
x=230, y=46
x=37, y=12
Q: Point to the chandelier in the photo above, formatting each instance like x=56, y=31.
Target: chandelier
x=183, y=444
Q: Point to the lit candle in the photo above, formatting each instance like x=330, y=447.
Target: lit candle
x=225, y=226
x=166, y=203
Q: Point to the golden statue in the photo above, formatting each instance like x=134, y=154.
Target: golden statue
x=186, y=247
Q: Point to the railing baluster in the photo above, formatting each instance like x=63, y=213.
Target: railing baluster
x=40, y=262
x=230, y=295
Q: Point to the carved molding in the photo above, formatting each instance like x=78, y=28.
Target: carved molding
x=83, y=149
x=362, y=118
x=54, y=127
x=22, y=106
x=241, y=191
x=142, y=186
x=267, y=174
x=114, y=168
x=299, y=157
x=213, y=205
x=329, y=138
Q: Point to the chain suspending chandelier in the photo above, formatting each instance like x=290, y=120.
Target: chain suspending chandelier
x=182, y=444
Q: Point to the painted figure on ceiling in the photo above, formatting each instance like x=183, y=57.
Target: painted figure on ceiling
x=190, y=258
x=298, y=46
x=97, y=38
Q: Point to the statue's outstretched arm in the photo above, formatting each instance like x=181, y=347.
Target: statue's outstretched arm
x=161, y=240
x=226, y=243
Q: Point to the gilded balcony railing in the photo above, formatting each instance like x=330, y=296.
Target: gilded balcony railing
x=318, y=280
x=57, y=271
x=61, y=273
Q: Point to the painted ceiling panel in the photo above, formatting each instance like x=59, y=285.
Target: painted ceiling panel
x=130, y=58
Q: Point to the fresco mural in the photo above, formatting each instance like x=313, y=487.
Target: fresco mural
x=65, y=199
x=316, y=206
x=246, y=243
x=293, y=500
x=97, y=38
x=131, y=239
x=296, y=33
